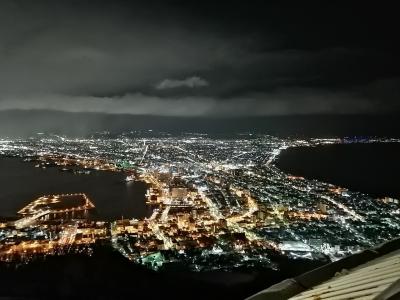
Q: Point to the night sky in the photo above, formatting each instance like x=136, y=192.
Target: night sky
x=233, y=58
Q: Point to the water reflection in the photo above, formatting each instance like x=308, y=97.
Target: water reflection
x=21, y=182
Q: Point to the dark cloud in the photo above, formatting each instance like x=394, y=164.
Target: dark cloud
x=208, y=58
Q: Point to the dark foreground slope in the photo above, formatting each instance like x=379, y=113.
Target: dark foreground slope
x=107, y=275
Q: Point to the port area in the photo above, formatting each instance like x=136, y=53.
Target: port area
x=54, y=207
x=51, y=225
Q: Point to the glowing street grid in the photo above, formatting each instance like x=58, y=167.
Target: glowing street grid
x=217, y=203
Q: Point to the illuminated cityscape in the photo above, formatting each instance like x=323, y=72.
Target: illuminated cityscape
x=216, y=203
x=199, y=150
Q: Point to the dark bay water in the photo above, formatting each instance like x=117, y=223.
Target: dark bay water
x=369, y=168
x=21, y=182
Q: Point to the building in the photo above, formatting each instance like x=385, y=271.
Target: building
x=322, y=207
x=179, y=192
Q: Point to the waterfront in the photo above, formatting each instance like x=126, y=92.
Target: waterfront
x=219, y=204
x=21, y=183
x=370, y=168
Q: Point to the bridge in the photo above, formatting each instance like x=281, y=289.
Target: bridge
x=30, y=220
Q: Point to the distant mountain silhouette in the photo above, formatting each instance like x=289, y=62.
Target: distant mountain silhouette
x=28, y=122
